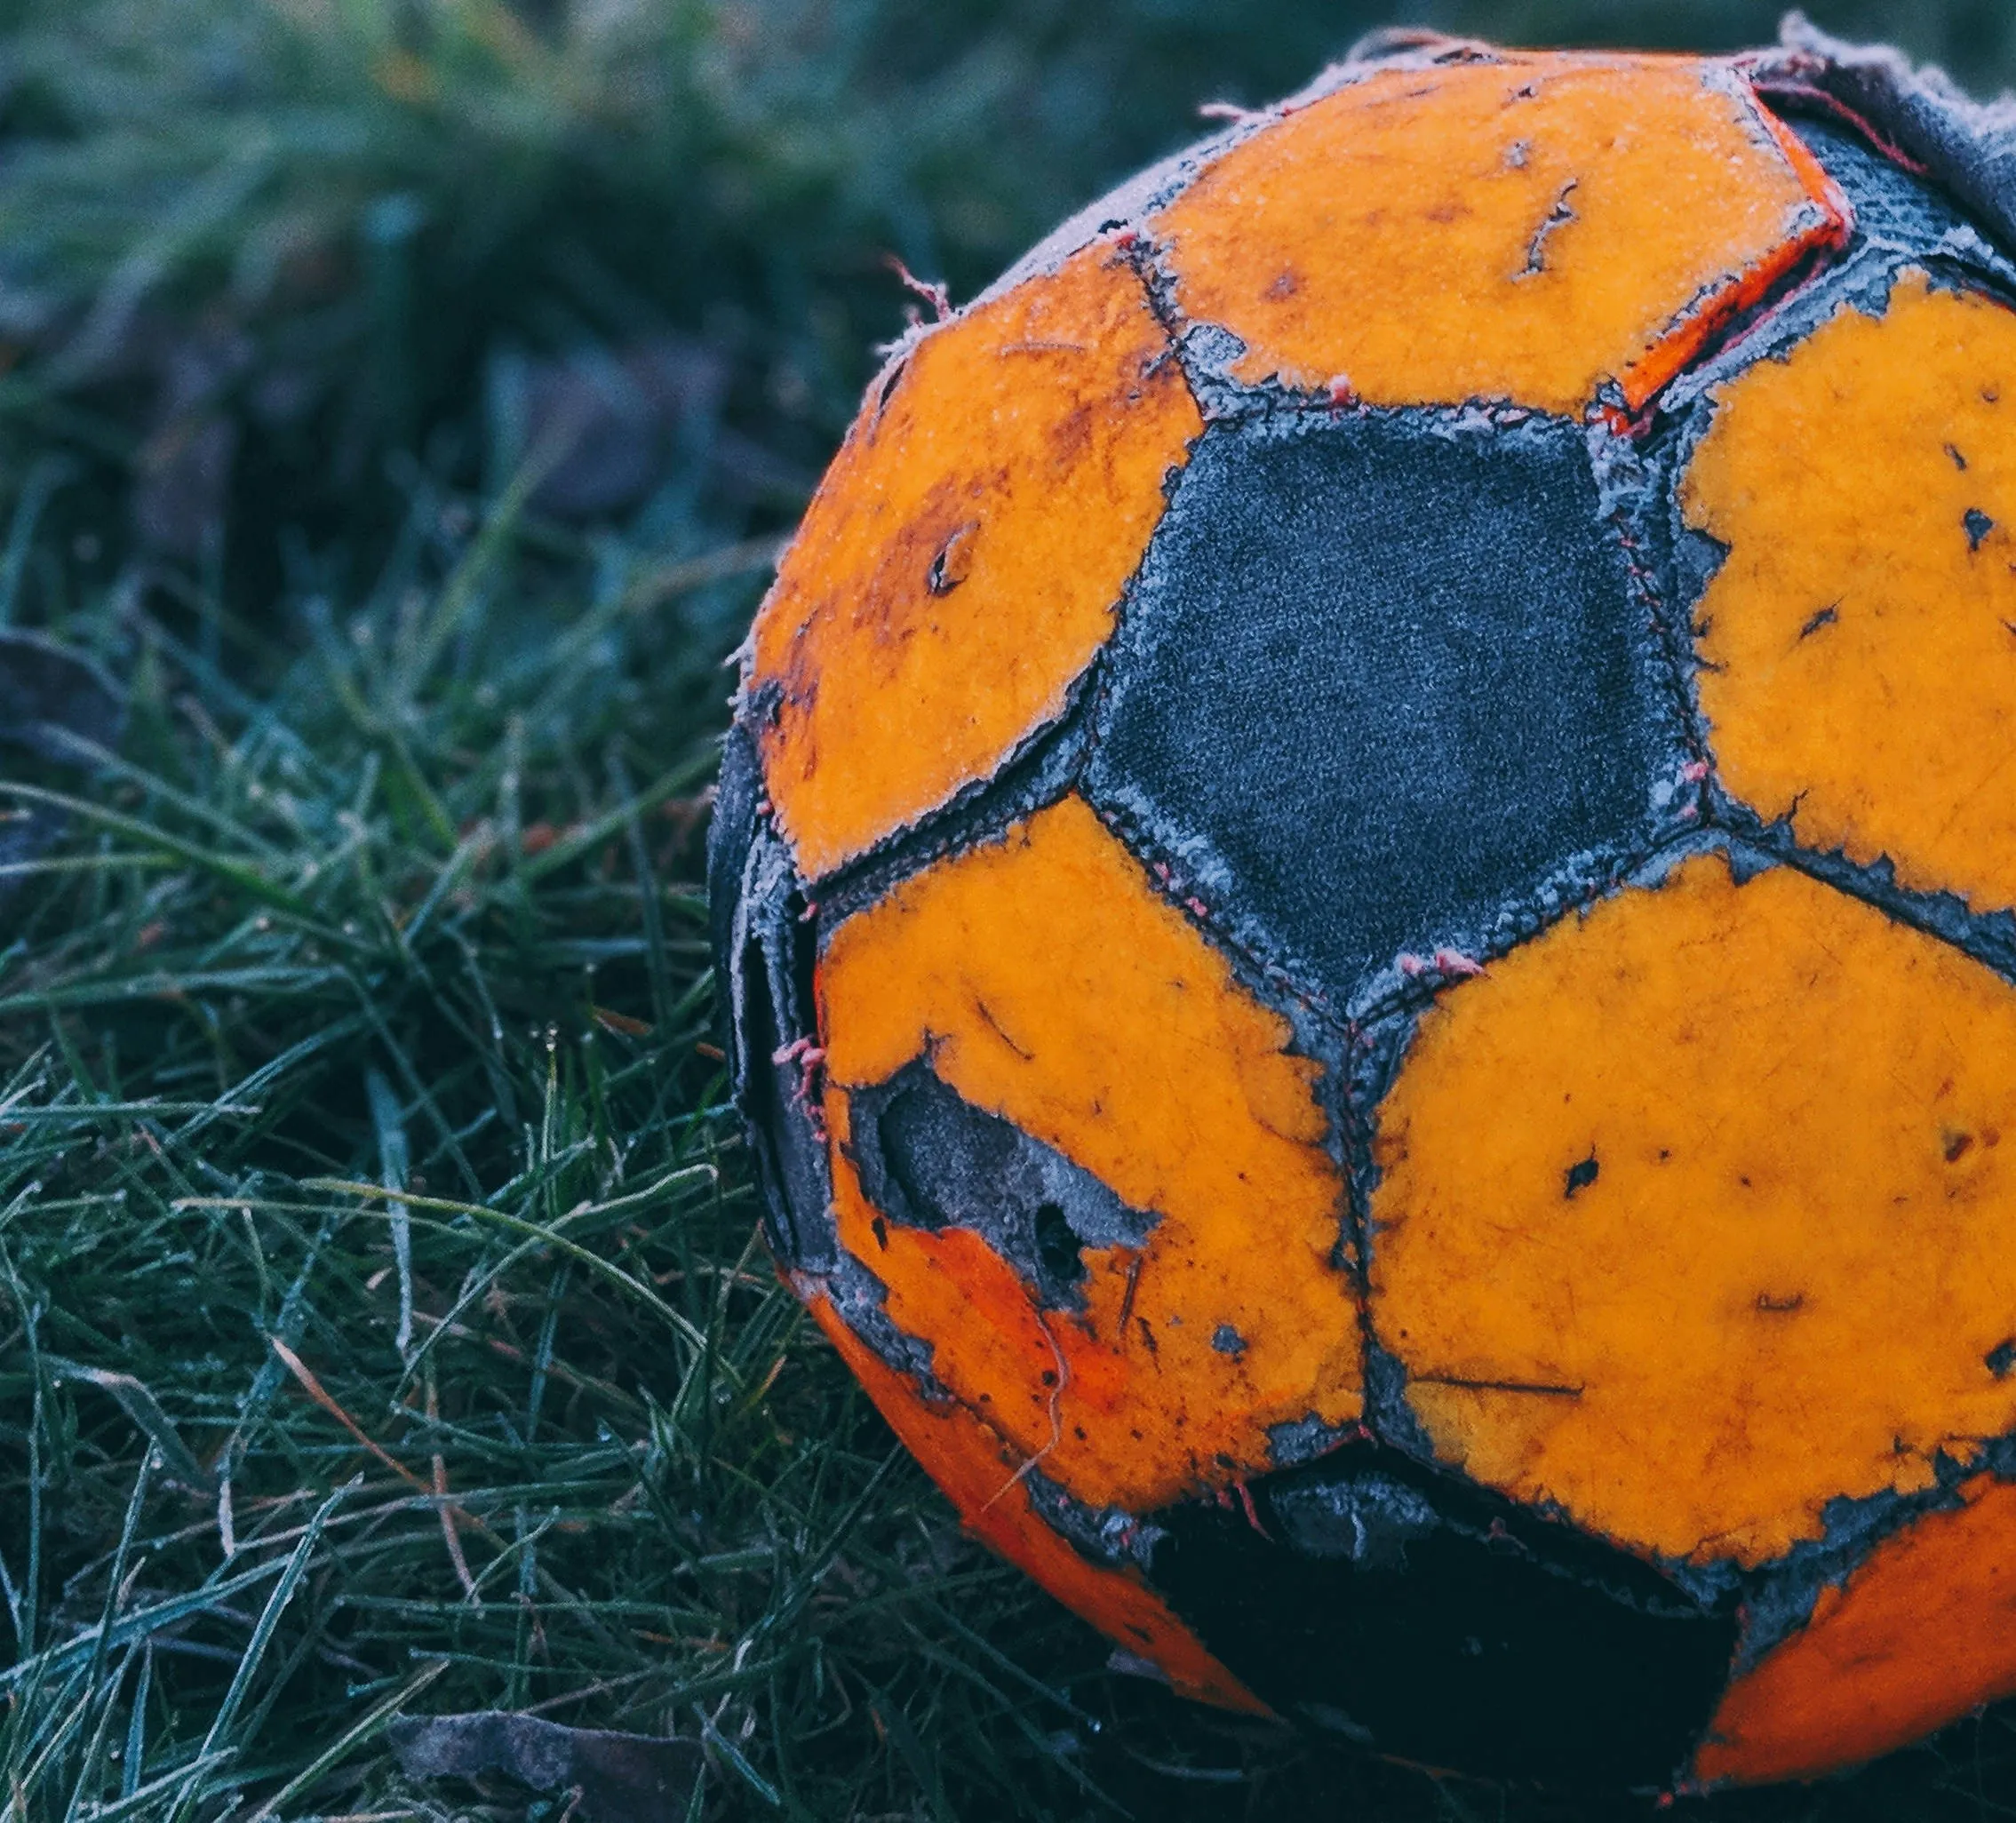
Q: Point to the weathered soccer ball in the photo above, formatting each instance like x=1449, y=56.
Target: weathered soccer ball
x=1365, y=875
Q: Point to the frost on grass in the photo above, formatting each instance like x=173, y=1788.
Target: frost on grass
x=389, y=900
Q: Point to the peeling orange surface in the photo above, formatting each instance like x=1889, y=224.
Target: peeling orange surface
x=1525, y=230
x=964, y=556
x=1924, y=1631
x=1048, y=984
x=1696, y=1211
x=978, y=1471
x=1860, y=639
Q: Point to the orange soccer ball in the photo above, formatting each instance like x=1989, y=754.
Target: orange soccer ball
x=1363, y=880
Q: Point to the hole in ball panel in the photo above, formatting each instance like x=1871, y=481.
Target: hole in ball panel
x=929, y=1159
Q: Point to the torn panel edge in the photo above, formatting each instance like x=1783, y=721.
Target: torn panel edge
x=1905, y=113
x=763, y=943
x=927, y=1157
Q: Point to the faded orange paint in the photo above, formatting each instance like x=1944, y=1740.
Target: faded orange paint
x=1049, y=983
x=1859, y=639
x=1526, y=229
x=1695, y=1212
x=1924, y=1631
x=964, y=556
x=977, y=1472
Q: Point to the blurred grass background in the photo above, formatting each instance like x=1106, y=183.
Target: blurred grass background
x=400, y=401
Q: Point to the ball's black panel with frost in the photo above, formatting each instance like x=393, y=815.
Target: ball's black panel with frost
x=1384, y=677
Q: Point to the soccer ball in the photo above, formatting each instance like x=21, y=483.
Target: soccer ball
x=1364, y=882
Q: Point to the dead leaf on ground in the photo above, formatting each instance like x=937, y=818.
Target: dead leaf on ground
x=621, y=1778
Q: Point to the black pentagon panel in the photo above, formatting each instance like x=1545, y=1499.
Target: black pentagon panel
x=1383, y=687
x=1437, y=1622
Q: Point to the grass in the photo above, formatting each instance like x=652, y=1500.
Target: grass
x=382, y=1327
x=360, y=1117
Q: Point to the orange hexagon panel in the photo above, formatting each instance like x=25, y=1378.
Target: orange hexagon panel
x=1922, y=1631
x=1859, y=643
x=1531, y=228
x=1042, y=981
x=964, y=557
x=1741, y=1209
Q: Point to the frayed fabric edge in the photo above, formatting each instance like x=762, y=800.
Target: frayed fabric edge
x=1916, y=116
